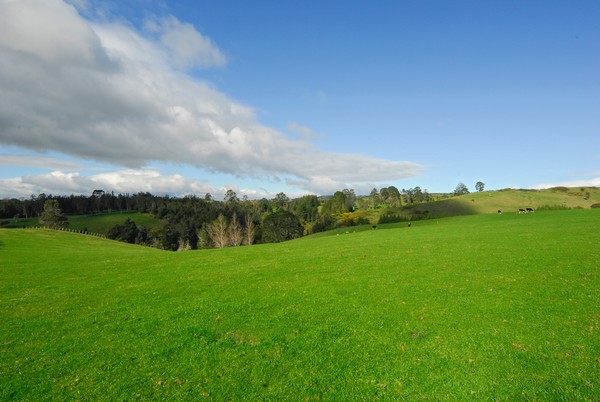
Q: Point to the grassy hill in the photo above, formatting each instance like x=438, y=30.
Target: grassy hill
x=509, y=200
x=479, y=307
x=102, y=223
x=97, y=223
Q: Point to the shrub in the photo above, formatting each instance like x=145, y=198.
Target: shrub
x=595, y=205
x=555, y=207
x=392, y=218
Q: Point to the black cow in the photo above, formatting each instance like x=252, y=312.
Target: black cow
x=522, y=211
x=529, y=210
x=499, y=211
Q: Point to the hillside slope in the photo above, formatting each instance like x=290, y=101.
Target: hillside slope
x=509, y=200
x=487, y=307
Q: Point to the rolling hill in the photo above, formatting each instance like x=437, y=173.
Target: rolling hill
x=509, y=200
x=485, y=307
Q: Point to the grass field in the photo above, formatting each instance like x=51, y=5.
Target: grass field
x=481, y=307
x=102, y=223
x=509, y=201
x=98, y=223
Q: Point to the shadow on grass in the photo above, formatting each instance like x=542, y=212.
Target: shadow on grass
x=1, y=244
x=443, y=208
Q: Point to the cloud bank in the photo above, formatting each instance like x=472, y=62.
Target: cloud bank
x=108, y=92
x=592, y=182
x=122, y=181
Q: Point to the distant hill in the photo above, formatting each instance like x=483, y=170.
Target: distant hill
x=509, y=200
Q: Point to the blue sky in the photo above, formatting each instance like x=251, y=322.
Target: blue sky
x=188, y=97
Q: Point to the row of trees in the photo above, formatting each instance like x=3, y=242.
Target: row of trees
x=194, y=222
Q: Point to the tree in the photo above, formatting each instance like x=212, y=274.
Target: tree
x=231, y=196
x=374, y=198
x=306, y=208
x=336, y=204
x=249, y=230
x=52, y=215
x=461, y=189
x=236, y=235
x=479, y=186
x=408, y=195
x=280, y=201
x=350, y=198
x=127, y=232
x=281, y=226
x=394, y=196
x=218, y=231
x=169, y=237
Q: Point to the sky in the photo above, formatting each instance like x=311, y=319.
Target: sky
x=311, y=97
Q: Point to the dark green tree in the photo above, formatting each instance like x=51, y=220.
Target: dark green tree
x=231, y=196
x=130, y=231
x=350, y=199
x=306, y=208
x=461, y=189
x=394, y=196
x=336, y=204
x=169, y=237
x=280, y=201
x=281, y=226
x=479, y=186
x=374, y=198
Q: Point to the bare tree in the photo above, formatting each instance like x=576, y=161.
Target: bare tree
x=235, y=232
x=218, y=232
x=249, y=230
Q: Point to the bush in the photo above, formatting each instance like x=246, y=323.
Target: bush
x=555, y=207
x=560, y=188
x=596, y=205
x=392, y=218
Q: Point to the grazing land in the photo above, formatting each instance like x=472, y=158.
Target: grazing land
x=102, y=223
x=510, y=200
x=96, y=223
x=480, y=307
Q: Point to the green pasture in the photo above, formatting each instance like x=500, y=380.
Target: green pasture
x=509, y=201
x=98, y=223
x=484, y=307
x=102, y=223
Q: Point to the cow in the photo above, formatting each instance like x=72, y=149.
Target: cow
x=529, y=210
x=522, y=211
x=499, y=211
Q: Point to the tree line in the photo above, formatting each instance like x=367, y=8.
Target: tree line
x=193, y=222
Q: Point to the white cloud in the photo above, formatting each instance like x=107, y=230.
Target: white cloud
x=187, y=47
x=593, y=182
x=122, y=181
x=107, y=92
